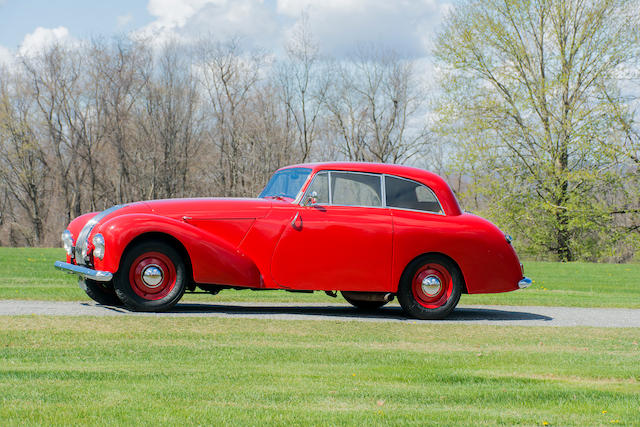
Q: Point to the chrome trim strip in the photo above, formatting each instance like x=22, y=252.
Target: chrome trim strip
x=525, y=282
x=329, y=185
x=83, y=237
x=384, y=190
x=359, y=206
x=87, y=273
x=416, y=210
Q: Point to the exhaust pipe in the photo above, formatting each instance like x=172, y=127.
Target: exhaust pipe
x=369, y=296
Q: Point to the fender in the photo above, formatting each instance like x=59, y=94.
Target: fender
x=488, y=263
x=213, y=260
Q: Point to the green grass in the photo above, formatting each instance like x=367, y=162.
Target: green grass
x=28, y=273
x=149, y=371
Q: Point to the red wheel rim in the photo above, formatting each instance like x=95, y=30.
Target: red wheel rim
x=152, y=275
x=432, y=285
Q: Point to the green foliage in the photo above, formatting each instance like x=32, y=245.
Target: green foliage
x=531, y=100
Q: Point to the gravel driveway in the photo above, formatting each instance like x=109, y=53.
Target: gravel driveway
x=477, y=314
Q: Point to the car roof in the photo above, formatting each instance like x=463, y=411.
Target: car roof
x=430, y=179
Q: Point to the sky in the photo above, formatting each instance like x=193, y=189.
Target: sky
x=406, y=26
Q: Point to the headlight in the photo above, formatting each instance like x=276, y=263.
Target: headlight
x=98, y=246
x=67, y=242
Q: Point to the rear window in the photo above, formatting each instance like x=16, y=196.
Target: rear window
x=406, y=194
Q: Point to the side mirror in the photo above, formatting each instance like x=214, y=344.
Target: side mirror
x=312, y=199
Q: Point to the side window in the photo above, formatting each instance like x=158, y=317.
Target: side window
x=320, y=185
x=355, y=189
x=402, y=193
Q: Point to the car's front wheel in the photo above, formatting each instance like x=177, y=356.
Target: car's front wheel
x=430, y=287
x=152, y=277
x=102, y=293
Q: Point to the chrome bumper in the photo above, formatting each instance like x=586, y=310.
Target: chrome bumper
x=87, y=273
x=524, y=283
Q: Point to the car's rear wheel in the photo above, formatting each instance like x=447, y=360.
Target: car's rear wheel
x=430, y=287
x=362, y=304
x=102, y=293
x=152, y=277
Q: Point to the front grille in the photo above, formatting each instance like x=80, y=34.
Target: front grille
x=83, y=242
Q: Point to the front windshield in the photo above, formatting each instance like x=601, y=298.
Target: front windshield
x=286, y=183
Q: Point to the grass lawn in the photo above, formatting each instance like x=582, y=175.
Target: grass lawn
x=28, y=273
x=149, y=371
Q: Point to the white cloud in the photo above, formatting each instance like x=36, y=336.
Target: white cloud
x=405, y=26
x=42, y=38
x=123, y=20
x=221, y=19
x=175, y=13
x=295, y=7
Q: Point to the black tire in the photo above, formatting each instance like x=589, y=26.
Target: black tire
x=433, y=303
x=101, y=292
x=135, y=294
x=362, y=304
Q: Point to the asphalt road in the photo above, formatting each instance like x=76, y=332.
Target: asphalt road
x=485, y=314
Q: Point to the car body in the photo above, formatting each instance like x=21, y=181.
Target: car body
x=371, y=231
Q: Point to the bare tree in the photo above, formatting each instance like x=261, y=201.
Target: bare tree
x=627, y=206
x=170, y=123
x=53, y=77
x=304, y=81
x=374, y=107
x=121, y=77
x=269, y=146
x=23, y=161
x=229, y=79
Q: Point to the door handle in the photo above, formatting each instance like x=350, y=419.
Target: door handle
x=293, y=222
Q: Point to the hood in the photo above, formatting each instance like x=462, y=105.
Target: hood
x=220, y=208
x=211, y=208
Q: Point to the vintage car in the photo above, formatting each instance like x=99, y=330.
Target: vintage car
x=370, y=231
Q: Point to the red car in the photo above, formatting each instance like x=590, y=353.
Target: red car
x=370, y=231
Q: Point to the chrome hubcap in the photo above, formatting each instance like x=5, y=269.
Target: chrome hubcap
x=152, y=276
x=431, y=285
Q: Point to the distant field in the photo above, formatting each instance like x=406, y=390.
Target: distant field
x=28, y=273
x=187, y=371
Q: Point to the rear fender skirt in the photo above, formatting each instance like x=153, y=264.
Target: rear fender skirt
x=213, y=259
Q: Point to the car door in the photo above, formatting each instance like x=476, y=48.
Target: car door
x=343, y=241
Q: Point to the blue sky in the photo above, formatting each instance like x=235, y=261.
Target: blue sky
x=83, y=19
x=406, y=26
